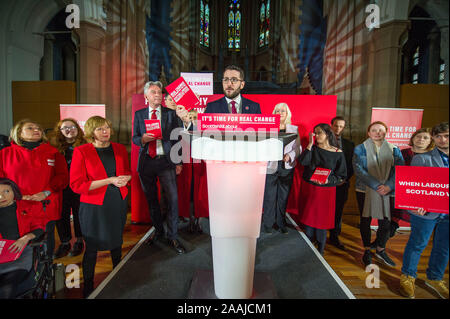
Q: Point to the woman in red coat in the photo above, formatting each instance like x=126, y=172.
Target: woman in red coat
x=16, y=224
x=39, y=170
x=100, y=172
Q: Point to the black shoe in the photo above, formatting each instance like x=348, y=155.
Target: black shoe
x=337, y=243
x=367, y=258
x=62, y=250
x=153, y=238
x=394, y=227
x=197, y=227
x=283, y=230
x=77, y=248
x=177, y=246
x=267, y=230
x=385, y=258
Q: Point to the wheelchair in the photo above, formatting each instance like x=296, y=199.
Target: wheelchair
x=39, y=283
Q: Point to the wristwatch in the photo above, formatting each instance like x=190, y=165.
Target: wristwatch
x=47, y=193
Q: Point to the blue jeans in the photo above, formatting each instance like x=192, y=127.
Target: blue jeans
x=421, y=230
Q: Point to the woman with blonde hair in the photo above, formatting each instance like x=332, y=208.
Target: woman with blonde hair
x=39, y=170
x=280, y=175
x=67, y=135
x=100, y=172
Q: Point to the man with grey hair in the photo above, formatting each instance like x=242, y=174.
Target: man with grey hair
x=155, y=163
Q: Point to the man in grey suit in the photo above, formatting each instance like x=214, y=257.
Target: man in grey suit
x=422, y=225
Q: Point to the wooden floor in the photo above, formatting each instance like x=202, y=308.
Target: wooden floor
x=347, y=264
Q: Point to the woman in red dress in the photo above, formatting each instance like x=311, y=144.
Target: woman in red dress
x=316, y=208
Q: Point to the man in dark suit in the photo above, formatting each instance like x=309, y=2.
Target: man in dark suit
x=233, y=82
x=347, y=146
x=155, y=163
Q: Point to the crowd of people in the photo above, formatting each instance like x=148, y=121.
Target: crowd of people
x=43, y=180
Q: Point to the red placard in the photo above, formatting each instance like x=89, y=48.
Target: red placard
x=182, y=94
x=238, y=122
x=401, y=123
x=422, y=187
x=5, y=253
x=320, y=175
x=153, y=127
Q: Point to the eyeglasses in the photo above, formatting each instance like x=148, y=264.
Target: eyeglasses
x=68, y=128
x=232, y=80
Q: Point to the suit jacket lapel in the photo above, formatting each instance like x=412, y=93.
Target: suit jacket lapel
x=224, y=106
x=164, y=119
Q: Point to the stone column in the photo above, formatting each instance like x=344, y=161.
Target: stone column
x=91, y=63
x=387, y=61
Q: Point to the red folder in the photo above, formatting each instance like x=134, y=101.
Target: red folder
x=153, y=127
x=320, y=175
x=182, y=94
x=5, y=254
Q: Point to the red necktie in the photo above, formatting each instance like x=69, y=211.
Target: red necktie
x=152, y=144
x=233, y=107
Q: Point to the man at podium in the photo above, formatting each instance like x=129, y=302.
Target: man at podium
x=233, y=82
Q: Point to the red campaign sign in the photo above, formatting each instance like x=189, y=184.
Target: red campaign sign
x=5, y=254
x=81, y=112
x=239, y=122
x=153, y=127
x=401, y=123
x=422, y=187
x=182, y=94
x=320, y=175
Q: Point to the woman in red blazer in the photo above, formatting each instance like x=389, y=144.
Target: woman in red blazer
x=100, y=172
x=18, y=225
x=39, y=170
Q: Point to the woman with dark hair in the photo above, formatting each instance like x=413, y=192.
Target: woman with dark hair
x=39, y=170
x=374, y=162
x=67, y=135
x=100, y=172
x=16, y=224
x=317, y=213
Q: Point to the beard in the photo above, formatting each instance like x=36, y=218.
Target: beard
x=232, y=94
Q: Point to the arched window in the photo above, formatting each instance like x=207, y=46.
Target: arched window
x=204, y=22
x=234, y=25
x=264, y=23
x=442, y=73
x=415, y=66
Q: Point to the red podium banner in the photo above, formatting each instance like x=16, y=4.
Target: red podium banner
x=422, y=187
x=233, y=122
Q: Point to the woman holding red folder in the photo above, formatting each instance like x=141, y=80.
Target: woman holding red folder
x=16, y=224
x=316, y=212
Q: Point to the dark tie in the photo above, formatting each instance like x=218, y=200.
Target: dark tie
x=233, y=107
x=152, y=144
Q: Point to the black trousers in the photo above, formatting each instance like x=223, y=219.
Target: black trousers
x=276, y=193
x=10, y=281
x=319, y=234
x=70, y=203
x=384, y=226
x=341, y=199
x=89, y=262
x=50, y=229
x=159, y=168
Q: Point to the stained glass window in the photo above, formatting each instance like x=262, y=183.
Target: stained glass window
x=234, y=25
x=264, y=23
x=204, y=22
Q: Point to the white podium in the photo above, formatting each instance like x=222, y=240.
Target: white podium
x=236, y=166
